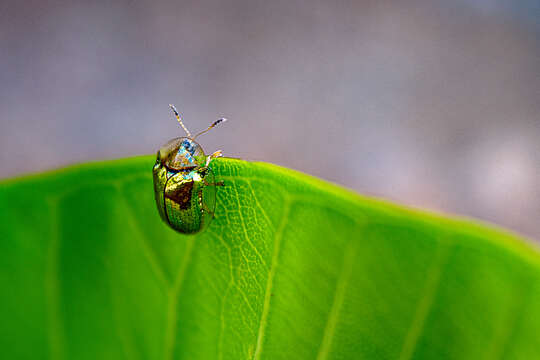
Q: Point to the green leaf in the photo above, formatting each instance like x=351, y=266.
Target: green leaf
x=291, y=267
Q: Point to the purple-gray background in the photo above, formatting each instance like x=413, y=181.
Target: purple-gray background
x=431, y=103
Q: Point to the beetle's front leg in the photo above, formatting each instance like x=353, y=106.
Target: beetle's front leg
x=206, y=183
x=209, y=158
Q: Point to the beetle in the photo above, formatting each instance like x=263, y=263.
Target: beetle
x=184, y=184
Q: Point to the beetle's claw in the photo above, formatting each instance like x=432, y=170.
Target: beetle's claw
x=217, y=154
x=219, y=183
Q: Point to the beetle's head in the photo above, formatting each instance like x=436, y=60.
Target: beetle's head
x=180, y=154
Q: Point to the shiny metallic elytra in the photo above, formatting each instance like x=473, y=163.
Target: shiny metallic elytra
x=184, y=184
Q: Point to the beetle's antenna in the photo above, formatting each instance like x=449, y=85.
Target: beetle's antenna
x=218, y=121
x=180, y=120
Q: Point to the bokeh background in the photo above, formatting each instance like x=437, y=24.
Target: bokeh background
x=434, y=104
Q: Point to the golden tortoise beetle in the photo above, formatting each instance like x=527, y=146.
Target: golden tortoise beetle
x=184, y=184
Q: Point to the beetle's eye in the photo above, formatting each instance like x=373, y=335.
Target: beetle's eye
x=158, y=157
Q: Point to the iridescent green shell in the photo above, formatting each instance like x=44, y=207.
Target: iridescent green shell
x=184, y=189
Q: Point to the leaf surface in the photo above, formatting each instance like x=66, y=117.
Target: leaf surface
x=291, y=267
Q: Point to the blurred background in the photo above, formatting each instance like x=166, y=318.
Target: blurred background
x=434, y=104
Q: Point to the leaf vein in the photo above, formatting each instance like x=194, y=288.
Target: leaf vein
x=339, y=297
x=173, y=295
x=149, y=254
x=263, y=211
x=425, y=304
x=245, y=229
x=269, y=282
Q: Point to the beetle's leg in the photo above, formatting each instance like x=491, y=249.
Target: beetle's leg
x=218, y=183
x=208, y=159
x=216, y=154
